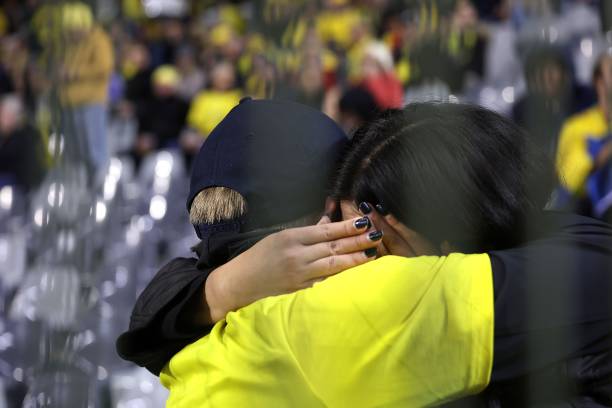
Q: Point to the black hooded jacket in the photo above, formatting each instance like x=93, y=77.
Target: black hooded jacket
x=553, y=314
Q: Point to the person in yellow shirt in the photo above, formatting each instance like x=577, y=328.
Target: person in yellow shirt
x=336, y=23
x=575, y=161
x=84, y=76
x=340, y=344
x=210, y=106
x=396, y=331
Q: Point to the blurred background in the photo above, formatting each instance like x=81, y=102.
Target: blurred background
x=104, y=103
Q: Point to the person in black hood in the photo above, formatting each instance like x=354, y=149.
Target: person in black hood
x=162, y=322
x=265, y=167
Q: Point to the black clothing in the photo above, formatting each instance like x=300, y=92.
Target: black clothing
x=156, y=333
x=138, y=87
x=164, y=118
x=6, y=82
x=566, y=289
x=553, y=310
x=581, y=382
x=553, y=326
x=22, y=158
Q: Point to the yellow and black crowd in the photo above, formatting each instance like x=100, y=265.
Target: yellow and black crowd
x=137, y=78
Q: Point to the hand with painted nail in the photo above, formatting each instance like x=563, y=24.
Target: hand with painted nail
x=398, y=239
x=290, y=260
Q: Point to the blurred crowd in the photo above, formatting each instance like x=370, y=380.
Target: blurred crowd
x=135, y=76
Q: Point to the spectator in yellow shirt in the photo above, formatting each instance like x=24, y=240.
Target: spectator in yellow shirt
x=210, y=106
x=84, y=78
x=336, y=24
x=574, y=160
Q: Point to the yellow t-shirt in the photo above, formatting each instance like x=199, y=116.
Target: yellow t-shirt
x=405, y=332
x=573, y=160
x=209, y=108
x=338, y=25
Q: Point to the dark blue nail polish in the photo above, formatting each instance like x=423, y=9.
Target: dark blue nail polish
x=362, y=223
x=375, y=235
x=370, y=252
x=365, y=208
x=381, y=210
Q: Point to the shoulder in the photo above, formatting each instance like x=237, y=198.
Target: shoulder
x=400, y=281
x=425, y=264
x=591, y=120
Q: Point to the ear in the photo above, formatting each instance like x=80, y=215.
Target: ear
x=348, y=210
x=330, y=206
x=333, y=210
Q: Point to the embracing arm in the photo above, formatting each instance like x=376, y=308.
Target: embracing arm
x=155, y=334
x=288, y=261
x=182, y=303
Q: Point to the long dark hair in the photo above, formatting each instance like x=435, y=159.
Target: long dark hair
x=452, y=172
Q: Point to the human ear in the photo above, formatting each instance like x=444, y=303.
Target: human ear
x=349, y=210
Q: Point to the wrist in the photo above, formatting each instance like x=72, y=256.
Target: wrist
x=216, y=295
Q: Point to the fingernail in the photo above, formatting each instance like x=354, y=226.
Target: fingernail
x=365, y=208
x=375, y=235
x=370, y=252
x=381, y=210
x=363, y=222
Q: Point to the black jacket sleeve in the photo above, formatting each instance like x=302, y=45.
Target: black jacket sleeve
x=155, y=333
x=156, y=330
x=552, y=297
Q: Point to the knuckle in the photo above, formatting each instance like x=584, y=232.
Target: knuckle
x=327, y=231
x=333, y=247
x=357, y=241
x=331, y=263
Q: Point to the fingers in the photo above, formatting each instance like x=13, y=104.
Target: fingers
x=334, y=264
x=324, y=220
x=324, y=232
x=399, y=239
x=361, y=242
